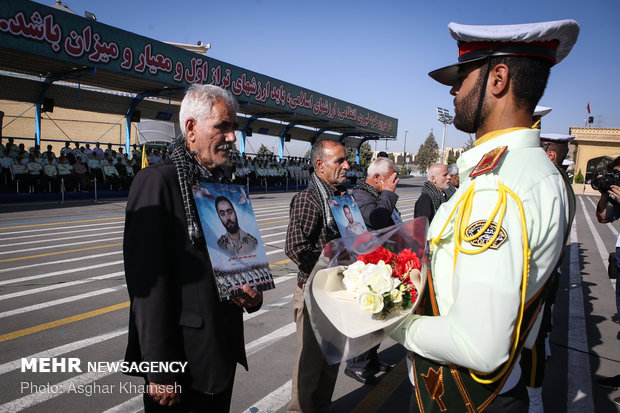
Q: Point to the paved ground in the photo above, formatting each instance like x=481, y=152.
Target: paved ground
x=62, y=294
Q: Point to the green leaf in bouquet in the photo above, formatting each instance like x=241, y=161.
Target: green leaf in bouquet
x=406, y=299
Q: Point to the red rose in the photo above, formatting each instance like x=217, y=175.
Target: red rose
x=405, y=261
x=380, y=254
x=414, y=294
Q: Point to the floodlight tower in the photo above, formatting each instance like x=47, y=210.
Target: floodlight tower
x=444, y=116
x=405, y=150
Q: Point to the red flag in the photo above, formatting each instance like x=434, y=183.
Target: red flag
x=588, y=107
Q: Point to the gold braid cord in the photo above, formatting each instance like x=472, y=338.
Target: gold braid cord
x=462, y=209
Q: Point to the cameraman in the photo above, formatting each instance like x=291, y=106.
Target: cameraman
x=608, y=210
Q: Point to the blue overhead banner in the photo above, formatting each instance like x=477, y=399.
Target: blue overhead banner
x=29, y=27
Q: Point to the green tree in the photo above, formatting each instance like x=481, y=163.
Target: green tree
x=579, y=178
x=391, y=156
x=365, y=154
x=428, y=153
x=263, y=150
x=451, y=159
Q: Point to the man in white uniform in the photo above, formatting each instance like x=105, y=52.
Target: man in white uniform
x=496, y=241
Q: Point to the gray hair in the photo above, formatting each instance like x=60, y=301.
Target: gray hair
x=318, y=150
x=380, y=166
x=453, y=169
x=199, y=100
x=433, y=170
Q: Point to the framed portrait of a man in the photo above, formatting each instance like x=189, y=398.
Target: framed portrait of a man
x=347, y=215
x=233, y=239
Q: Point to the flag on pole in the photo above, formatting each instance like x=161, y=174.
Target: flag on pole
x=588, y=107
x=145, y=161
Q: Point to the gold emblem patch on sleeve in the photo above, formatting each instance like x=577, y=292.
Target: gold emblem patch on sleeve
x=484, y=238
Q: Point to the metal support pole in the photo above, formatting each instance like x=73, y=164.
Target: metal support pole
x=37, y=124
x=443, y=142
x=128, y=133
x=77, y=72
x=132, y=108
x=357, y=150
x=62, y=190
x=405, y=150
x=95, y=182
x=281, y=149
x=242, y=142
x=443, y=116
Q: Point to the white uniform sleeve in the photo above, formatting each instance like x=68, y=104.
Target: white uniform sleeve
x=480, y=303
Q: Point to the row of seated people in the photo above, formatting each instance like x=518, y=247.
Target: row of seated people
x=154, y=155
x=46, y=175
x=269, y=170
x=113, y=169
x=116, y=169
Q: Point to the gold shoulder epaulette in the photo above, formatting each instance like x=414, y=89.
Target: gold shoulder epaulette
x=489, y=161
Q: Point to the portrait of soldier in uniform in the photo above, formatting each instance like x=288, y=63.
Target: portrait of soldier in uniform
x=235, y=241
x=353, y=228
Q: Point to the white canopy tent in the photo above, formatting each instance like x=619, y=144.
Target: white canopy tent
x=155, y=131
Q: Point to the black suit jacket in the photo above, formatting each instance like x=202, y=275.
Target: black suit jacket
x=175, y=312
x=377, y=213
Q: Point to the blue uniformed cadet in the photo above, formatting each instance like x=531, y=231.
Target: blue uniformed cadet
x=495, y=243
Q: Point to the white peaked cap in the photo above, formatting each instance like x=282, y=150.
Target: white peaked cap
x=556, y=138
x=552, y=40
x=541, y=111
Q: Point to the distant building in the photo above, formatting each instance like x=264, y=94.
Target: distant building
x=451, y=152
x=398, y=157
x=592, y=150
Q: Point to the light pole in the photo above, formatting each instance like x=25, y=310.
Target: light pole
x=443, y=116
x=405, y=150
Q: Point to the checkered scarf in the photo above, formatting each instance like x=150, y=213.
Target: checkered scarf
x=437, y=196
x=365, y=186
x=325, y=193
x=190, y=172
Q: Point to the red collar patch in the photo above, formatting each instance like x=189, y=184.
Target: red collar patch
x=489, y=161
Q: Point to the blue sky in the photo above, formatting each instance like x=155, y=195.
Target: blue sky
x=377, y=53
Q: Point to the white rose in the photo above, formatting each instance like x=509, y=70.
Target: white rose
x=396, y=295
x=370, y=302
x=353, y=279
x=378, y=278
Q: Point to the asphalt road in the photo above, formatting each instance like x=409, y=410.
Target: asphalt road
x=62, y=294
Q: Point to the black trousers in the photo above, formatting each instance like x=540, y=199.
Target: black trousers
x=366, y=360
x=193, y=401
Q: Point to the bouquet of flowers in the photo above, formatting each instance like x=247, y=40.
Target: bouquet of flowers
x=361, y=288
x=382, y=281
